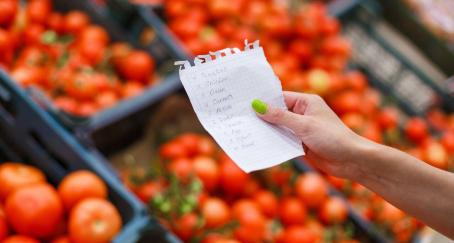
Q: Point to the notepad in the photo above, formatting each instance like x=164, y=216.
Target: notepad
x=221, y=86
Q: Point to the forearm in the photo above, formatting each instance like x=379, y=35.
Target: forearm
x=417, y=188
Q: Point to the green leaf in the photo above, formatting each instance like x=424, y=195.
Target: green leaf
x=49, y=37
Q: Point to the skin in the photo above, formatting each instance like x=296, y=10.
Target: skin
x=410, y=184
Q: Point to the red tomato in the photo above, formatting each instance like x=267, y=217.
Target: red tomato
x=172, y=150
x=92, y=51
x=5, y=41
x=8, y=9
x=94, y=33
x=336, y=46
x=388, y=118
x=148, y=190
x=4, y=229
x=79, y=185
x=252, y=227
x=356, y=81
x=347, y=101
x=333, y=211
x=38, y=10
x=206, y=146
x=330, y=26
x=61, y=239
x=301, y=49
x=435, y=154
x=86, y=109
x=312, y=189
x=186, y=226
x=292, y=211
x=138, y=66
x=233, y=179
x=389, y=214
x=267, y=203
x=19, y=239
x=221, y=8
x=55, y=21
x=75, y=21
x=206, y=169
x=34, y=210
x=93, y=220
x=86, y=85
x=448, y=141
x=215, y=212
x=32, y=34
x=416, y=130
x=106, y=99
x=190, y=142
x=354, y=121
x=132, y=89
x=14, y=176
x=298, y=234
x=373, y=132
x=181, y=167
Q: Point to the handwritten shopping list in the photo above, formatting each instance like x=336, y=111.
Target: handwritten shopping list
x=221, y=87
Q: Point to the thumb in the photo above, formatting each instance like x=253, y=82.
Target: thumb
x=278, y=116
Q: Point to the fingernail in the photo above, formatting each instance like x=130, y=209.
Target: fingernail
x=259, y=106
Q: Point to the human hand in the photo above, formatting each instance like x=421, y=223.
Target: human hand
x=330, y=145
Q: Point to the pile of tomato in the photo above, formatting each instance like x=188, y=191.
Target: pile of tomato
x=303, y=45
x=69, y=58
x=201, y=195
x=33, y=211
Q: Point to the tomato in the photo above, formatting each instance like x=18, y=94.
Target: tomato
x=66, y=104
x=252, y=227
x=61, y=239
x=206, y=169
x=186, y=226
x=93, y=51
x=354, y=121
x=190, y=142
x=206, y=146
x=336, y=181
x=330, y=26
x=93, y=220
x=132, y=89
x=389, y=214
x=86, y=109
x=34, y=210
x=333, y=211
x=215, y=212
x=336, y=46
x=5, y=41
x=221, y=8
x=94, y=33
x=148, y=190
x=138, y=66
x=347, y=101
x=38, y=10
x=298, y=234
x=416, y=130
x=106, y=99
x=79, y=185
x=318, y=81
x=185, y=28
x=86, y=85
x=226, y=27
x=448, y=141
x=316, y=227
x=75, y=21
x=372, y=132
x=55, y=22
x=435, y=154
x=172, y=150
x=292, y=211
x=32, y=34
x=312, y=189
x=175, y=7
x=119, y=50
x=8, y=10
x=233, y=179
x=4, y=229
x=267, y=203
x=19, y=239
x=302, y=49
x=14, y=176
x=181, y=167
x=356, y=81
x=388, y=118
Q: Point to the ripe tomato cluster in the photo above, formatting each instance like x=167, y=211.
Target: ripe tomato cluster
x=201, y=195
x=69, y=58
x=33, y=211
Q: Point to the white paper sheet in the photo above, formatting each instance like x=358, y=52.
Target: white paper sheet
x=221, y=92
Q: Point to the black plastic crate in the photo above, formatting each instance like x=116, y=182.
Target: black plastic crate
x=29, y=134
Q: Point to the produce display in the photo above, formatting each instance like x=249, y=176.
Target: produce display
x=32, y=211
x=304, y=46
x=202, y=196
x=70, y=59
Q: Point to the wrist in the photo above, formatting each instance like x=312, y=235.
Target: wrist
x=366, y=153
